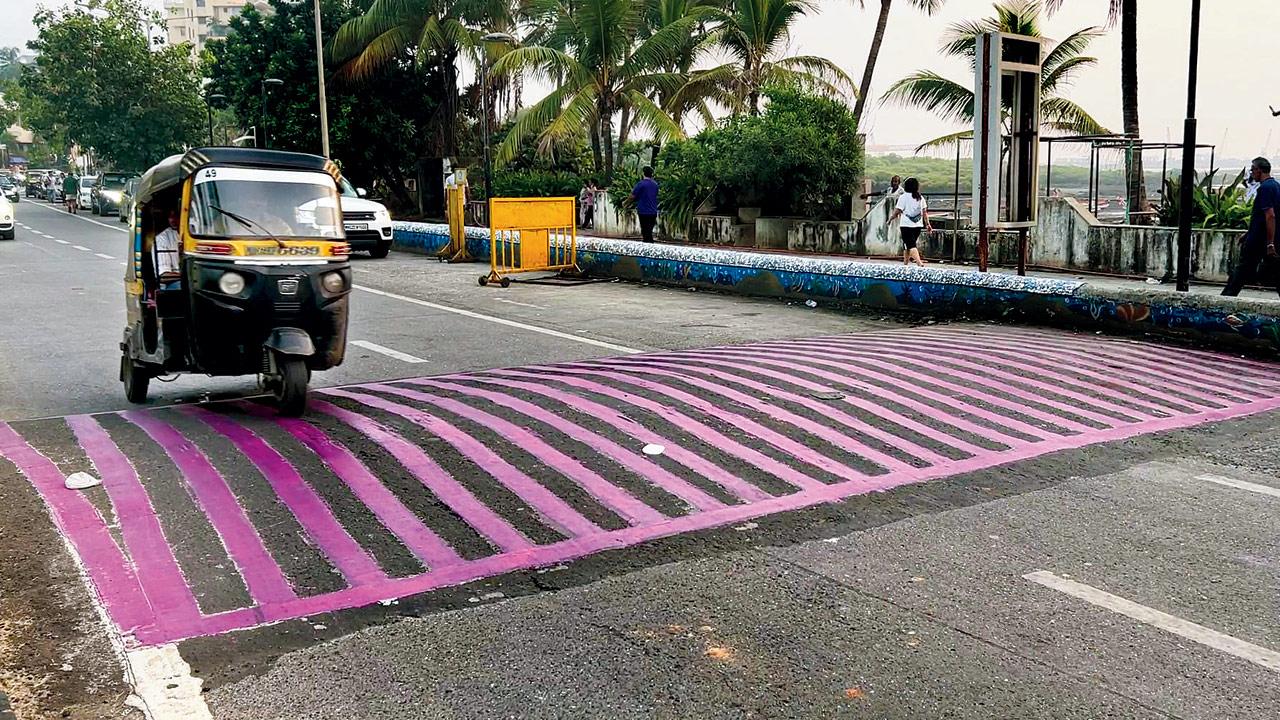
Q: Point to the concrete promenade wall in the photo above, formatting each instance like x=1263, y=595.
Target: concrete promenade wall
x=942, y=292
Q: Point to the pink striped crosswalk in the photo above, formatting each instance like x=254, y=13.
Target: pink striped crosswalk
x=471, y=475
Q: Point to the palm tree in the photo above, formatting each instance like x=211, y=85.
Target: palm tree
x=933, y=92
x=754, y=31
x=606, y=64
x=929, y=7
x=702, y=86
x=438, y=32
x=1126, y=13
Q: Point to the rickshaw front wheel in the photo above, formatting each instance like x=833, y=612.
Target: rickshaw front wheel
x=291, y=388
x=136, y=380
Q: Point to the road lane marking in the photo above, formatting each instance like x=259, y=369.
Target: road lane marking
x=1264, y=657
x=503, y=321
x=104, y=257
x=405, y=357
x=88, y=220
x=81, y=247
x=163, y=686
x=521, y=304
x=1241, y=485
x=61, y=242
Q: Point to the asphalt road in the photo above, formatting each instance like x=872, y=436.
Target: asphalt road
x=613, y=500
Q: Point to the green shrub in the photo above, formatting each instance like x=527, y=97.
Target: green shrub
x=1219, y=208
x=537, y=183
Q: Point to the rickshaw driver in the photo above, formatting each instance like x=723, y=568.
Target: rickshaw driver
x=166, y=247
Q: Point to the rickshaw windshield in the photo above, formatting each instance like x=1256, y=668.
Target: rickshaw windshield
x=229, y=202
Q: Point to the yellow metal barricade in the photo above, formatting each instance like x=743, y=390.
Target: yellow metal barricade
x=530, y=234
x=455, y=209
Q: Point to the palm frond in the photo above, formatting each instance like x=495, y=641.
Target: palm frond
x=830, y=74
x=541, y=61
x=950, y=140
x=936, y=94
x=1070, y=47
x=532, y=121
x=1062, y=74
x=1066, y=116
x=394, y=43
x=646, y=114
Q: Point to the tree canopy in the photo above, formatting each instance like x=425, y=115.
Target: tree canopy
x=99, y=83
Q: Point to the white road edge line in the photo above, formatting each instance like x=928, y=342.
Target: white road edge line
x=1269, y=659
x=80, y=217
x=503, y=321
x=405, y=357
x=516, y=302
x=1241, y=485
x=104, y=257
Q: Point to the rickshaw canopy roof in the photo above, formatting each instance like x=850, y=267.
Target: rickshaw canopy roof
x=173, y=170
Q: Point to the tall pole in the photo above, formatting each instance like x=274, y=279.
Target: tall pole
x=1188, y=157
x=262, y=142
x=484, y=127
x=209, y=109
x=324, y=105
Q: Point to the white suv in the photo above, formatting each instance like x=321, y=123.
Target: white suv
x=367, y=223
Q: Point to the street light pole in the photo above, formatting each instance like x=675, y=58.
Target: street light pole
x=484, y=105
x=324, y=105
x=208, y=106
x=266, y=138
x=1186, y=196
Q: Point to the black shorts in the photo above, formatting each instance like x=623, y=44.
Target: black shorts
x=909, y=236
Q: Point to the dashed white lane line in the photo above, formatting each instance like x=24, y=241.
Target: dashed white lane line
x=104, y=257
x=81, y=247
x=502, y=321
x=61, y=242
x=1241, y=485
x=389, y=352
x=1269, y=659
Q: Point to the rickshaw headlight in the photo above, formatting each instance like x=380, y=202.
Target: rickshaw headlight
x=231, y=283
x=333, y=283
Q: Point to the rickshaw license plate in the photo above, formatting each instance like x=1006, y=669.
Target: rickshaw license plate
x=357, y=226
x=292, y=250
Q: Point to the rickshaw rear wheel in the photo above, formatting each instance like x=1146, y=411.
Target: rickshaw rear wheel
x=136, y=380
x=290, y=389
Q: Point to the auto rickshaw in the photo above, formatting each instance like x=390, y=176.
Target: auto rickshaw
x=261, y=277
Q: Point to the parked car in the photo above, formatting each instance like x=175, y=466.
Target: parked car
x=85, y=197
x=367, y=223
x=128, y=199
x=9, y=189
x=107, y=191
x=6, y=219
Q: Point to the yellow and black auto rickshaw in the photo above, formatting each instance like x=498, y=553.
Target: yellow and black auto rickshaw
x=240, y=267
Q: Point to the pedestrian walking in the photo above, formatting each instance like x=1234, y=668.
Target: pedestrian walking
x=645, y=196
x=587, y=200
x=1258, y=246
x=71, y=192
x=913, y=210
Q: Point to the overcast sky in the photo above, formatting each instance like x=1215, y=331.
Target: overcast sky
x=1233, y=96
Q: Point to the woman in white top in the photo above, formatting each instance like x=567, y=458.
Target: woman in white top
x=914, y=211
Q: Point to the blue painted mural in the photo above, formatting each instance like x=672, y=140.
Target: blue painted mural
x=891, y=286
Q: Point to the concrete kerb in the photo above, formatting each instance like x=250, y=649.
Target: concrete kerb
x=939, y=292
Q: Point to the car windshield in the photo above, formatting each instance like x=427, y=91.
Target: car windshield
x=88, y=182
x=114, y=182
x=348, y=190
x=244, y=202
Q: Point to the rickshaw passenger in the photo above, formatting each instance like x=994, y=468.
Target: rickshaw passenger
x=166, y=247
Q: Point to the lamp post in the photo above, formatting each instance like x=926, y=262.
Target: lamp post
x=324, y=104
x=208, y=106
x=1188, y=157
x=484, y=105
x=266, y=138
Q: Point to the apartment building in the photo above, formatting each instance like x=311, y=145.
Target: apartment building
x=199, y=21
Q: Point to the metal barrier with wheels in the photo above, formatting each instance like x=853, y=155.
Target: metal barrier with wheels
x=531, y=234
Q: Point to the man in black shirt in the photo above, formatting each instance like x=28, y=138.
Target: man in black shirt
x=1258, y=248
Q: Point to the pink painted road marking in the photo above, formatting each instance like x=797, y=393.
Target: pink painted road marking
x=1161, y=400
x=901, y=440
x=697, y=429
x=617, y=500
x=902, y=396
x=1099, y=410
x=556, y=512
x=80, y=522
x=577, y=403
x=973, y=372
x=261, y=574
x=650, y=471
x=394, y=516
x=1147, y=375
x=489, y=524
x=937, y=379
x=778, y=440
x=315, y=517
x=162, y=581
x=905, y=423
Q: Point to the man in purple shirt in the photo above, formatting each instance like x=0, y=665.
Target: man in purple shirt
x=645, y=196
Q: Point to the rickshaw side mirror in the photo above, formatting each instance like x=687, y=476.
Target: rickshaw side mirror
x=362, y=192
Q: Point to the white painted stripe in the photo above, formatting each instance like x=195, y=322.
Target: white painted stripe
x=61, y=242
x=163, y=686
x=516, y=302
x=1241, y=485
x=503, y=321
x=81, y=217
x=1269, y=659
x=104, y=257
x=81, y=247
x=406, y=357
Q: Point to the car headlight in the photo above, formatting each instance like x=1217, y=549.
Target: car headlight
x=382, y=214
x=112, y=195
x=231, y=283
x=333, y=283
